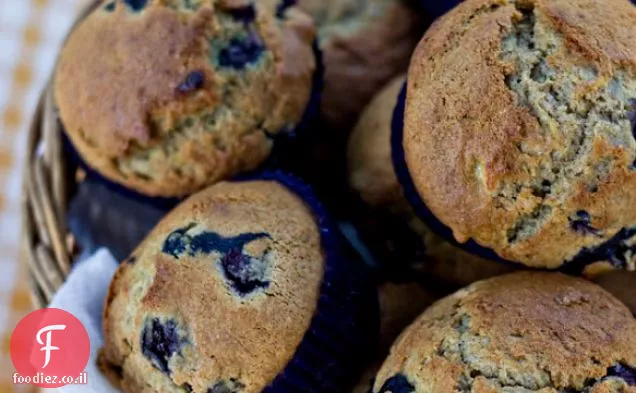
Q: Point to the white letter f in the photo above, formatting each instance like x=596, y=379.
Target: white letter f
x=48, y=348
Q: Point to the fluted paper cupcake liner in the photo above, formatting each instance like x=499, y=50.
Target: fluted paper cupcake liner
x=286, y=140
x=436, y=8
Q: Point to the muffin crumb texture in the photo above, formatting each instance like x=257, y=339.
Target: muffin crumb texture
x=541, y=137
x=183, y=93
x=556, y=100
x=517, y=333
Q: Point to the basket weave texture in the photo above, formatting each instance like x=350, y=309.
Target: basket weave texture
x=45, y=241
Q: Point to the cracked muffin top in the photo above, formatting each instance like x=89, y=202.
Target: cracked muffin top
x=519, y=128
x=517, y=333
x=365, y=43
x=219, y=295
x=167, y=96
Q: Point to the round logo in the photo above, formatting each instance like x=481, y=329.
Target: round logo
x=50, y=348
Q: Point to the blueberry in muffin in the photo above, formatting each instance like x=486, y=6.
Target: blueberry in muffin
x=521, y=332
x=364, y=43
x=166, y=97
x=518, y=130
x=160, y=341
x=397, y=384
x=242, y=288
x=246, y=273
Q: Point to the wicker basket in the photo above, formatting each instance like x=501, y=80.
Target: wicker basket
x=46, y=244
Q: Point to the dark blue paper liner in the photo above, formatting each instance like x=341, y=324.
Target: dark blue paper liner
x=345, y=326
x=287, y=140
x=436, y=8
x=586, y=257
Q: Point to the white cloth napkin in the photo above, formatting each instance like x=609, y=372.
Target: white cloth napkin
x=83, y=295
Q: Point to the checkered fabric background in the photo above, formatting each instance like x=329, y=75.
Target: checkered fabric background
x=31, y=32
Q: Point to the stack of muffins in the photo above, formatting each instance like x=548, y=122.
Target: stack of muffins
x=507, y=146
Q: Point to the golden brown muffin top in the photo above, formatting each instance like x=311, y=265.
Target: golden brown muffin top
x=220, y=293
x=516, y=333
x=518, y=125
x=172, y=96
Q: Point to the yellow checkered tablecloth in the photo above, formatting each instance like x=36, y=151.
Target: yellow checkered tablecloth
x=31, y=32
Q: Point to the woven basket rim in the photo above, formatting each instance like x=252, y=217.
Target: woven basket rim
x=45, y=243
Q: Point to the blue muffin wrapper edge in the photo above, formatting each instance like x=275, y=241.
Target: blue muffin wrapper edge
x=342, y=333
x=283, y=140
x=436, y=8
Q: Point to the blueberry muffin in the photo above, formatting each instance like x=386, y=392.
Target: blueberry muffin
x=364, y=44
x=518, y=130
x=517, y=333
x=243, y=288
x=372, y=177
x=165, y=97
x=400, y=304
